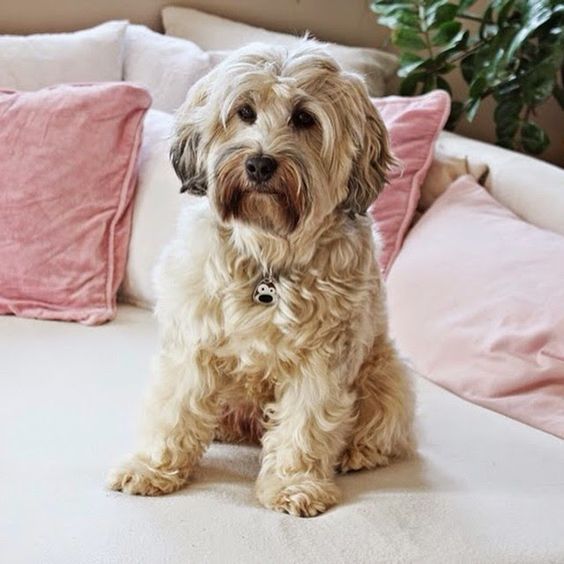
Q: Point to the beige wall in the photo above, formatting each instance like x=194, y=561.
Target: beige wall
x=345, y=21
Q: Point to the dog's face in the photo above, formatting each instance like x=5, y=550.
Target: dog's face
x=276, y=139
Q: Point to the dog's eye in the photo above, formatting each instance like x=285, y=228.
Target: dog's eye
x=247, y=114
x=302, y=119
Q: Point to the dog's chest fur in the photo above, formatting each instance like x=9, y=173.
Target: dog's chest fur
x=256, y=346
x=259, y=348
x=321, y=311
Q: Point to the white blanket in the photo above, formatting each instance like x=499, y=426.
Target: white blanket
x=483, y=489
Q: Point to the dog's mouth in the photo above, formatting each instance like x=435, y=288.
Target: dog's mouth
x=263, y=206
x=264, y=189
x=275, y=206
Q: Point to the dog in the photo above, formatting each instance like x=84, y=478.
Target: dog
x=271, y=304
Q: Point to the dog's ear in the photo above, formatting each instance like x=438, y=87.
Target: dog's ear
x=186, y=153
x=184, y=157
x=373, y=158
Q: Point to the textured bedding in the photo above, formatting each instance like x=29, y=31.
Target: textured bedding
x=484, y=488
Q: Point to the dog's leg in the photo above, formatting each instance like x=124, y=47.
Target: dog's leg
x=180, y=420
x=306, y=432
x=383, y=426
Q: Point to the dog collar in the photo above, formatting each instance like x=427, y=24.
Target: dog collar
x=265, y=292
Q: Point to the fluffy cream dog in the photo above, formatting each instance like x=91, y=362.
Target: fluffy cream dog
x=290, y=152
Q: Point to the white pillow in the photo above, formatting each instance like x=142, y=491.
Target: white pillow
x=157, y=204
x=213, y=33
x=166, y=66
x=31, y=62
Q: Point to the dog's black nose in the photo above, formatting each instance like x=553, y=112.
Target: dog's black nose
x=260, y=168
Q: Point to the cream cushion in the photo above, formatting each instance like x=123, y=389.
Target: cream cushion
x=166, y=66
x=213, y=33
x=157, y=204
x=32, y=62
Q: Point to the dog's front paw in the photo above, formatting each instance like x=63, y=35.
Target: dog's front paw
x=301, y=497
x=138, y=477
x=361, y=457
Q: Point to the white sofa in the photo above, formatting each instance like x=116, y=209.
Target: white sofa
x=483, y=488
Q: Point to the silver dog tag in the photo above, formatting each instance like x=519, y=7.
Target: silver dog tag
x=265, y=292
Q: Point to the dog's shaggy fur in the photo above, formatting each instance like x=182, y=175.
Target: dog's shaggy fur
x=315, y=376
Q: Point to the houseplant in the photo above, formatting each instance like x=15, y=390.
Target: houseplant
x=512, y=50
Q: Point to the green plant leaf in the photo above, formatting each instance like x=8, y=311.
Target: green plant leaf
x=442, y=84
x=379, y=6
x=443, y=56
x=505, y=143
x=410, y=19
x=408, y=63
x=429, y=84
x=456, y=109
x=431, y=5
x=454, y=48
x=478, y=86
x=407, y=39
x=505, y=88
x=487, y=27
x=510, y=106
x=446, y=33
x=504, y=8
x=536, y=13
x=431, y=9
x=482, y=54
x=507, y=120
x=467, y=68
x=443, y=14
x=514, y=51
x=552, y=40
x=490, y=58
x=462, y=43
x=533, y=138
x=538, y=84
x=446, y=68
x=506, y=136
x=401, y=18
x=465, y=4
x=390, y=21
x=408, y=85
x=471, y=108
x=386, y=7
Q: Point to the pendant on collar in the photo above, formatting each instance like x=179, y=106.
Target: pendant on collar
x=265, y=292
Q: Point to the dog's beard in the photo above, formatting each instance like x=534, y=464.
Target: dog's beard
x=275, y=206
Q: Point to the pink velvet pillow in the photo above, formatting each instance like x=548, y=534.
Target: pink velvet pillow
x=67, y=175
x=414, y=125
x=476, y=299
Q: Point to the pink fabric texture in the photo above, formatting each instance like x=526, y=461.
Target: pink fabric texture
x=476, y=300
x=67, y=176
x=414, y=125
